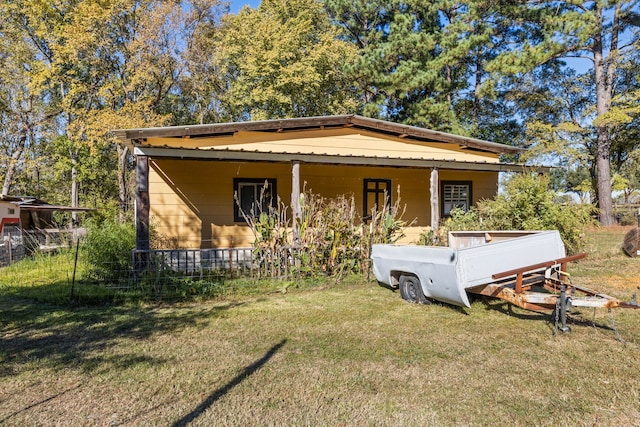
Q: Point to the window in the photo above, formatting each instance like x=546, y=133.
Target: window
x=12, y=211
x=455, y=194
x=254, y=195
x=377, y=193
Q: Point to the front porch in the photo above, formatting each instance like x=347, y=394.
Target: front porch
x=205, y=213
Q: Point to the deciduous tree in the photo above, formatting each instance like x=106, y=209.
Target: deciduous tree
x=102, y=65
x=23, y=113
x=282, y=59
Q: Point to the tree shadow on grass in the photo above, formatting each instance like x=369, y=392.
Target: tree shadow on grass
x=41, y=402
x=216, y=395
x=59, y=337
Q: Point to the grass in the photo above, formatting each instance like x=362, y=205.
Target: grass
x=350, y=354
x=49, y=278
x=607, y=266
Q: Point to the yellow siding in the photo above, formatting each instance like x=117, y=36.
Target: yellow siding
x=484, y=184
x=411, y=235
x=192, y=200
x=347, y=141
x=331, y=181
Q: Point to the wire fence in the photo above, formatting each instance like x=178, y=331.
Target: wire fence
x=16, y=244
x=12, y=248
x=171, y=274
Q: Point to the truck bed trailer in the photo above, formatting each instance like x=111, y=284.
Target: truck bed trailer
x=525, y=268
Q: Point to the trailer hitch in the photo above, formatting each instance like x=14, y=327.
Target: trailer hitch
x=631, y=304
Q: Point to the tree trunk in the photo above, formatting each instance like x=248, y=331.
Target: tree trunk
x=449, y=85
x=11, y=168
x=603, y=103
x=476, y=89
x=605, y=202
x=15, y=158
x=123, y=196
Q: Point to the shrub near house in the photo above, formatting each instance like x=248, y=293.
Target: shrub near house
x=528, y=203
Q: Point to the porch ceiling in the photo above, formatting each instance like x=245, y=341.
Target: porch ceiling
x=259, y=156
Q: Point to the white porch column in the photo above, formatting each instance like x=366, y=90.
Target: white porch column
x=435, y=202
x=295, y=201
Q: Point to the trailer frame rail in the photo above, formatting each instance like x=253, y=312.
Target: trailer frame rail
x=544, y=286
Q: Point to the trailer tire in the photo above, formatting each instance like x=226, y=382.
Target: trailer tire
x=411, y=291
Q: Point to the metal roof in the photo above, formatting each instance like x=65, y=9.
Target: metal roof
x=31, y=203
x=140, y=135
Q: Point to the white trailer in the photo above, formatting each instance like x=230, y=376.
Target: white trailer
x=525, y=268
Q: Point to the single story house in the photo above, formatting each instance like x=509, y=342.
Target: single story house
x=188, y=176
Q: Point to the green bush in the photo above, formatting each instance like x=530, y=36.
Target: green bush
x=107, y=248
x=625, y=214
x=528, y=203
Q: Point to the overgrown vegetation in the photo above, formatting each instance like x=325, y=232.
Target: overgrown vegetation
x=107, y=248
x=49, y=278
x=528, y=203
x=331, y=240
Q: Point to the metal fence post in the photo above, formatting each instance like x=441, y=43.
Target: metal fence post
x=231, y=271
x=75, y=265
x=10, y=249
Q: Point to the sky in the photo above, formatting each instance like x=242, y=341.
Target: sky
x=236, y=5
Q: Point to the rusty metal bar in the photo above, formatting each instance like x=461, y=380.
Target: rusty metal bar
x=519, y=283
x=515, y=290
x=591, y=292
x=629, y=305
x=539, y=301
x=546, y=264
x=533, y=301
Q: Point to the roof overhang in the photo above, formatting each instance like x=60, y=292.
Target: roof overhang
x=259, y=156
x=30, y=203
x=10, y=198
x=54, y=208
x=141, y=135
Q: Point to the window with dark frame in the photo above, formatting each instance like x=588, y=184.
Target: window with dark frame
x=253, y=196
x=377, y=193
x=455, y=194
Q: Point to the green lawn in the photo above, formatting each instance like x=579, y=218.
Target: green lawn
x=337, y=355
